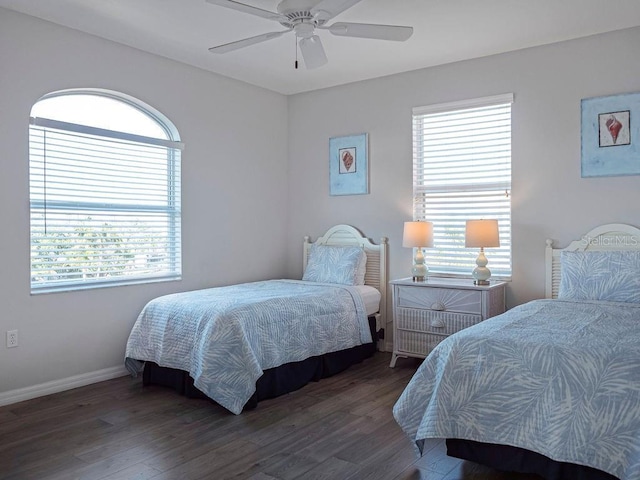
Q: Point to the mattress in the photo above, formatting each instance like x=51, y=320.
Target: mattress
x=370, y=298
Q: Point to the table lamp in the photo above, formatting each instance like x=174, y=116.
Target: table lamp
x=418, y=235
x=481, y=234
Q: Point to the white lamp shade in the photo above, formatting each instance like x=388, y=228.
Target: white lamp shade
x=417, y=234
x=482, y=233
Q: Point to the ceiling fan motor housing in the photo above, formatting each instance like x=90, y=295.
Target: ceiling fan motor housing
x=298, y=12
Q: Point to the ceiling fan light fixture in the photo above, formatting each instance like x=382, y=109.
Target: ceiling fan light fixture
x=304, y=30
x=312, y=52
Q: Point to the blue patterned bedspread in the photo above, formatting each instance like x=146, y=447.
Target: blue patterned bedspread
x=225, y=337
x=557, y=377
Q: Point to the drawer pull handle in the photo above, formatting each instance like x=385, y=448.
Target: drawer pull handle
x=439, y=306
x=437, y=323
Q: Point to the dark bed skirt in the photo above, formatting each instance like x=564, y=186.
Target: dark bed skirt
x=514, y=459
x=274, y=381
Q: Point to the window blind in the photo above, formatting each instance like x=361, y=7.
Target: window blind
x=462, y=171
x=105, y=206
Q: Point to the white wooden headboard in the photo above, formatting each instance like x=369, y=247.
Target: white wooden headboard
x=613, y=236
x=376, y=273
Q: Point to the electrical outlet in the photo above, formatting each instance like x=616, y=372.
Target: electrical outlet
x=12, y=338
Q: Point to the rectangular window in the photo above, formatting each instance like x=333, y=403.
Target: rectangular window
x=462, y=171
x=105, y=207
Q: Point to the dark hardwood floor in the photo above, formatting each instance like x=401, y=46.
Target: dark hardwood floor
x=339, y=428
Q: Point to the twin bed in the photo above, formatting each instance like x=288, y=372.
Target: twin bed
x=550, y=387
x=244, y=343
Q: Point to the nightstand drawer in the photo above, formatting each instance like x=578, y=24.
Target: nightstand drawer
x=416, y=342
x=440, y=299
x=431, y=321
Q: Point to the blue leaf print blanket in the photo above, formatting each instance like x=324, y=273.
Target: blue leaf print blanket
x=226, y=337
x=557, y=377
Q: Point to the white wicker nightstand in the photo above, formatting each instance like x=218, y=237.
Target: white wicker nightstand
x=425, y=313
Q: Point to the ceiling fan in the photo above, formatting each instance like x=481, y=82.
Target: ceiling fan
x=303, y=17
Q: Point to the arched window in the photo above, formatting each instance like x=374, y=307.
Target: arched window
x=104, y=192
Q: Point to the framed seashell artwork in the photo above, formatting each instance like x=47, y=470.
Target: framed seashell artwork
x=349, y=165
x=610, y=133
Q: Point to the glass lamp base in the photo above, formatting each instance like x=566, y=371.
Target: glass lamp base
x=481, y=273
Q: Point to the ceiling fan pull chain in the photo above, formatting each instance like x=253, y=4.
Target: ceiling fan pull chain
x=295, y=42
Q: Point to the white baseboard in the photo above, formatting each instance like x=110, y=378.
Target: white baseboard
x=55, y=386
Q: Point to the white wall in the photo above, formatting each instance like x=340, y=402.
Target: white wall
x=234, y=192
x=550, y=199
x=238, y=186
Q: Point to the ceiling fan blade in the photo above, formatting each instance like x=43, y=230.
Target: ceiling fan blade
x=241, y=7
x=312, y=52
x=327, y=9
x=229, y=47
x=365, y=30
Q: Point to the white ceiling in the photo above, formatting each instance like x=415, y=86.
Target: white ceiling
x=444, y=31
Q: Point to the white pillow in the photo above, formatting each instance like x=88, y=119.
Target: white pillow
x=606, y=275
x=333, y=264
